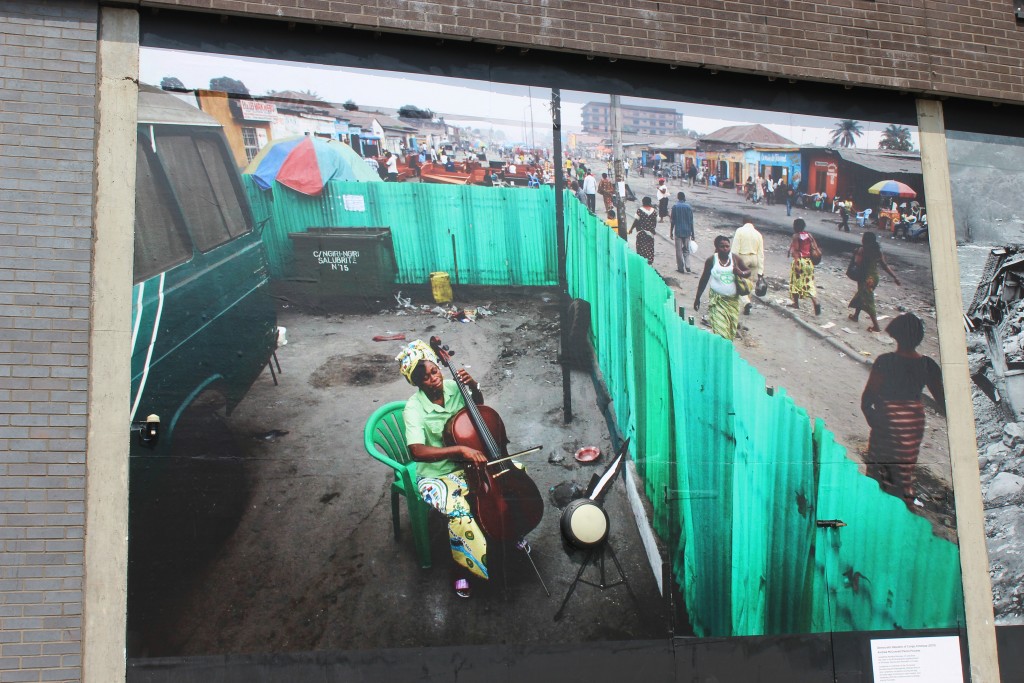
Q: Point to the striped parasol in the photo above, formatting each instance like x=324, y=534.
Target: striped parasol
x=892, y=188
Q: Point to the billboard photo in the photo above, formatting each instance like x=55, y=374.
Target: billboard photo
x=398, y=328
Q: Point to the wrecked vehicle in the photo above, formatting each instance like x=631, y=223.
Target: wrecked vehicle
x=997, y=312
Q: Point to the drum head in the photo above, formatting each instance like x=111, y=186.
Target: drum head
x=584, y=523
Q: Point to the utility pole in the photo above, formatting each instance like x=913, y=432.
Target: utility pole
x=563, y=281
x=620, y=175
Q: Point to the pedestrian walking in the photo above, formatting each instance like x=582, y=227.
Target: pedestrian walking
x=892, y=405
x=863, y=268
x=646, y=222
x=680, y=227
x=662, y=196
x=590, y=189
x=804, y=250
x=724, y=271
x=606, y=189
x=748, y=244
x=844, y=217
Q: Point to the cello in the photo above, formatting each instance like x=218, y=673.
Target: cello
x=508, y=503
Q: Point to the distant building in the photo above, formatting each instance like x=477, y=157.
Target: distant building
x=849, y=172
x=644, y=120
x=735, y=152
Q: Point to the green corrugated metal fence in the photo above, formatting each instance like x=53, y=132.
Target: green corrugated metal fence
x=737, y=477
x=502, y=236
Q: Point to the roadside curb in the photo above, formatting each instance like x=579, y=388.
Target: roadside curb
x=813, y=329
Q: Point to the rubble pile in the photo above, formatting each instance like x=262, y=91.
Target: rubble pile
x=1001, y=462
x=1012, y=329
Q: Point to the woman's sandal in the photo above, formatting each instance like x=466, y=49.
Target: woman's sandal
x=462, y=588
x=874, y=329
x=850, y=317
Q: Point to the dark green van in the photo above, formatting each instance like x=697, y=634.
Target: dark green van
x=203, y=319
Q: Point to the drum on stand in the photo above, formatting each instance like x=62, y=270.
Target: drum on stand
x=584, y=524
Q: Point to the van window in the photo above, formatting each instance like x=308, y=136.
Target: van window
x=203, y=180
x=160, y=238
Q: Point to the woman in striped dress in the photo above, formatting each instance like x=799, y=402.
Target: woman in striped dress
x=892, y=404
x=722, y=271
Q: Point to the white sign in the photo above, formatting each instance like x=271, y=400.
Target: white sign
x=917, y=660
x=253, y=110
x=353, y=202
x=337, y=260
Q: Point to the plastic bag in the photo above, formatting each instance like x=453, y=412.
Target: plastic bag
x=692, y=247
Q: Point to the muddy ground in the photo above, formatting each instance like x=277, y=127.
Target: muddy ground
x=307, y=560
x=822, y=361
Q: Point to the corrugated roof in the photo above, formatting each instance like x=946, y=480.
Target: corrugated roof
x=675, y=143
x=365, y=118
x=159, y=106
x=750, y=134
x=882, y=160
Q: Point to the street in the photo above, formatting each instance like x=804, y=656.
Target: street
x=821, y=361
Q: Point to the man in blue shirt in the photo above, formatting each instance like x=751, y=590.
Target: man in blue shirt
x=680, y=226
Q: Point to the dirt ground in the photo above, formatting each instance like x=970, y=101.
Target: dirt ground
x=308, y=560
x=822, y=361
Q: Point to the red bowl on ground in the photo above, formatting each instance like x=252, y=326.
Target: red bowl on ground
x=588, y=454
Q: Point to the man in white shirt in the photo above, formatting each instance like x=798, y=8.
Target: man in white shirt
x=748, y=244
x=590, y=188
x=392, y=162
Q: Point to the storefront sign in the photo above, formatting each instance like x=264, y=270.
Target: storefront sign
x=253, y=110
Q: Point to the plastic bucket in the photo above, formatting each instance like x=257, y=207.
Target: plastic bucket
x=441, y=286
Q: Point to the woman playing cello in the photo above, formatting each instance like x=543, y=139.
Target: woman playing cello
x=440, y=476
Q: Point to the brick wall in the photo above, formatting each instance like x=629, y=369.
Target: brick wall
x=966, y=48
x=47, y=94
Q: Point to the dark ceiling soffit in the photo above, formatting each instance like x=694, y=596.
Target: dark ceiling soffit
x=274, y=39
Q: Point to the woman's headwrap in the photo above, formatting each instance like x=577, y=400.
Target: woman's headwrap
x=410, y=357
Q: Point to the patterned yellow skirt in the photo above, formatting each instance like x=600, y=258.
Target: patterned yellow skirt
x=801, y=278
x=447, y=495
x=724, y=314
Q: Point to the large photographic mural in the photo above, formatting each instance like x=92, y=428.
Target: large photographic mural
x=748, y=320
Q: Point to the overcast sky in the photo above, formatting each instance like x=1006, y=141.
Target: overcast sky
x=463, y=100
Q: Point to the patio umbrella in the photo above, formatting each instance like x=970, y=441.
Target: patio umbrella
x=892, y=188
x=305, y=163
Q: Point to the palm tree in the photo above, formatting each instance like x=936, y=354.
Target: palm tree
x=846, y=133
x=897, y=138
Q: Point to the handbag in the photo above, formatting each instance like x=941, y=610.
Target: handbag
x=815, y=252
x=855, y=271
x=762, y=286
x=691, y=246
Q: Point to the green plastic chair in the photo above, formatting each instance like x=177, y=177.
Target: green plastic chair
x=384, y=439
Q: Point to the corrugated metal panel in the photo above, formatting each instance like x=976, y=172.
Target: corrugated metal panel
x=738, y=478
x=885, y=569
x=502, y=236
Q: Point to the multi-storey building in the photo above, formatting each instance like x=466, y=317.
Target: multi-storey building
x=641, y=120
